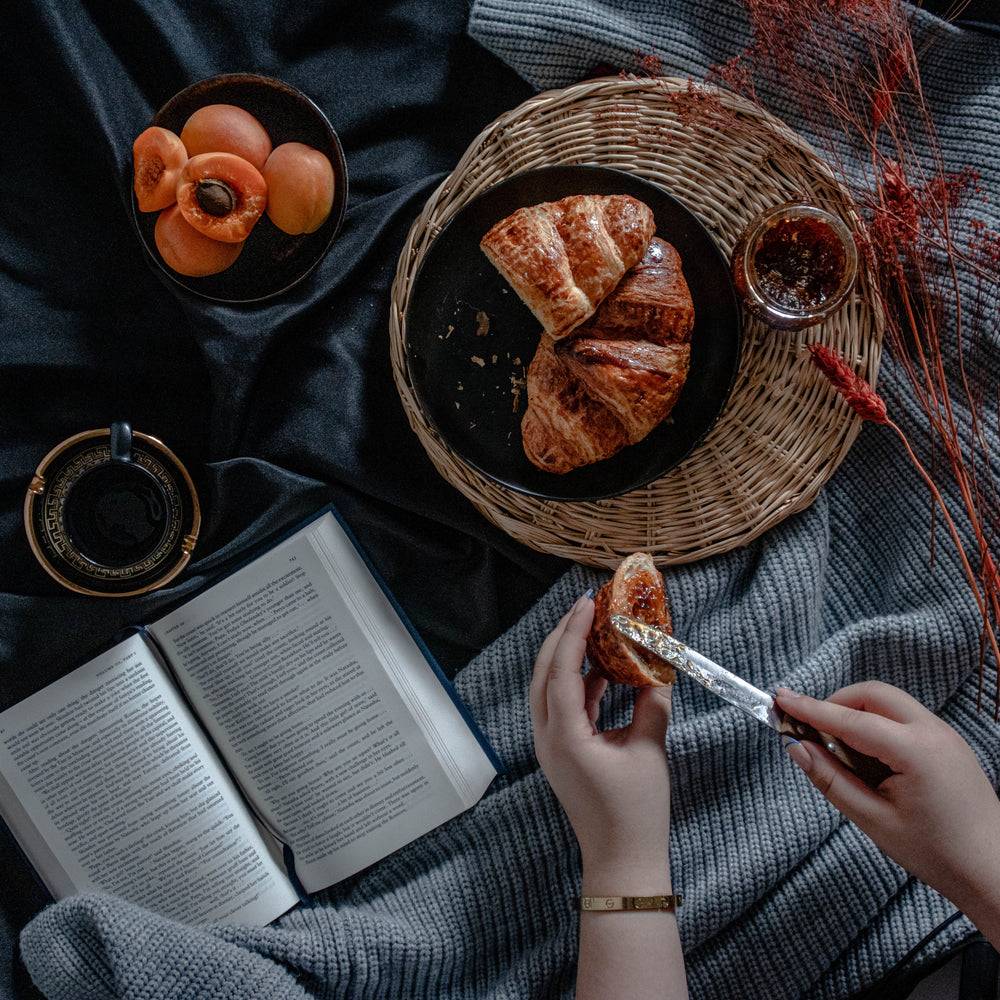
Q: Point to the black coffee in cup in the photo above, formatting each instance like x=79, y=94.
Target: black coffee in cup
x=111, y=512
x=116, y=514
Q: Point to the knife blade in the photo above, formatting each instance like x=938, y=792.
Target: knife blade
x=745, y=696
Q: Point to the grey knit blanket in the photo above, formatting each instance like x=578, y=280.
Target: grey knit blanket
x=783, y=898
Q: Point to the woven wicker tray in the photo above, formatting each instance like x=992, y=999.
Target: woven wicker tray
x=784, y=430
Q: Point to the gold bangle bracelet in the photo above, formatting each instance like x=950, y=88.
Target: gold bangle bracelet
x=612, y=903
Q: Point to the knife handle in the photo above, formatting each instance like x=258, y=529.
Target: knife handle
x=870, y=770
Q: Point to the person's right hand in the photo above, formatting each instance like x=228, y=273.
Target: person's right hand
x=938, y=815
x=614, y=784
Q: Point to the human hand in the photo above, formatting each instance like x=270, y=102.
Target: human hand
x=937, y=815
x=615, y=785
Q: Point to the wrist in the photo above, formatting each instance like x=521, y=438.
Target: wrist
x=645, y=876
x=976, y=893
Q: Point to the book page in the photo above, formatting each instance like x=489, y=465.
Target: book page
x=109, y=785
x=442, y=718
x=311, y=725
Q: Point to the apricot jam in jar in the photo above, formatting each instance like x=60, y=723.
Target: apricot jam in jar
x=794, y=265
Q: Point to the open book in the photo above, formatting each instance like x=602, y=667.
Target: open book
x=272, y=736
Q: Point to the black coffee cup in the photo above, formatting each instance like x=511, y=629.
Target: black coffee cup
x=112, y=512
x=117, y=513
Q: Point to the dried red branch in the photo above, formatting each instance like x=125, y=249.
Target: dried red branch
x=860, y=396
x=851, y=68
x=869, y=405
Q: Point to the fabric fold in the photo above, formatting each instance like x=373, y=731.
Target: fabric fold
x=783, y=899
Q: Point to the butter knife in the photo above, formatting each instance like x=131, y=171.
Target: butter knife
x=744, y=696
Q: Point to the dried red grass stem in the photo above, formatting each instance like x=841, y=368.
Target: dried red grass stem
x=856, y=391
x=851, y=67
x=867, y=404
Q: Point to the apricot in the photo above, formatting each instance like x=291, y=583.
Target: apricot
x=225, y=128
x=187, y=251
x=158, y=156
x=221, y=195
x=300, y=186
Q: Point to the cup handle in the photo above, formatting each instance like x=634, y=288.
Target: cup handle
x=121, y=441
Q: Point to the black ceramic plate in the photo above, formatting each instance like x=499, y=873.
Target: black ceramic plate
x=469, y=340
x=271, y=261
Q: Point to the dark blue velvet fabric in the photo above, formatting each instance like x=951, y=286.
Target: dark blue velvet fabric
x=275, y=409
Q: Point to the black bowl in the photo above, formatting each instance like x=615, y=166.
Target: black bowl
x=271, y=261
x=469, y=382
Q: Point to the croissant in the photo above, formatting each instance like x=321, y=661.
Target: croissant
x=564, y=427
x=635, y=589
x=563, y=258
x=619, y=375
x=637, y=381
x=651, y=302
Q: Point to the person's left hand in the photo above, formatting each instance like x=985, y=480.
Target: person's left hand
x=614, y=785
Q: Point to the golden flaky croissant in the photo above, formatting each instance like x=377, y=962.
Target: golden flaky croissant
x=564, y=257
x=636, y=589
x=637, y=381
x=651, y=302
x=564, y=427
x=618, y=375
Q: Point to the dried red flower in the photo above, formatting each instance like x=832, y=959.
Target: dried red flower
x=852, y=70
x=860, y=396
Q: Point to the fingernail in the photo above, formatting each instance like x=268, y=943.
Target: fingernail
x=798, y=753
x=786, y=693
x=589, y=595
x=582, y=599
x=772, y=692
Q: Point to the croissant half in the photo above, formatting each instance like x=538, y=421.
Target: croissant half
x=635, y=589
x=563, y=258
x=637, y=381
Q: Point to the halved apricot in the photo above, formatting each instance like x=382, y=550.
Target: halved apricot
x=187, y=251
x=221, y=195
x=225, y=128
x=158, y=156
x=300, y=185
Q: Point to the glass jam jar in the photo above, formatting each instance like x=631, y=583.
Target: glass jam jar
x=794, y=265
